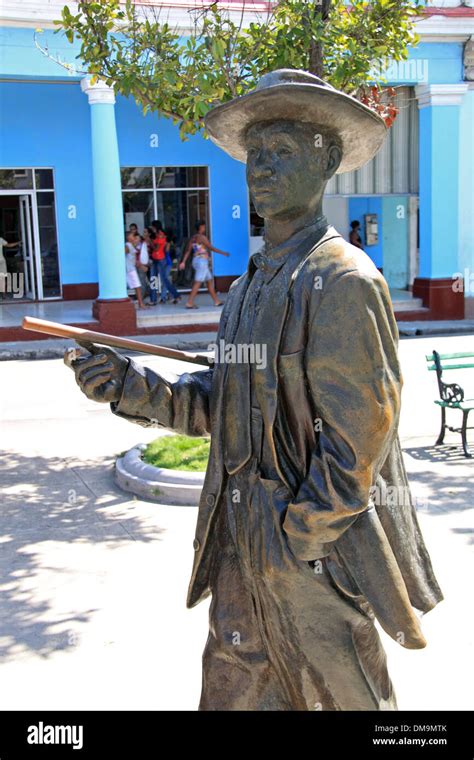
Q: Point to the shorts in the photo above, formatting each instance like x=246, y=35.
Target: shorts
x=133, y=280
x=202, y=273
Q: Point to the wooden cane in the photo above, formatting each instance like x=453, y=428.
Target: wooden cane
x=89, y=336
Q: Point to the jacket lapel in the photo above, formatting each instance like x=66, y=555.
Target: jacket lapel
x=269, y=325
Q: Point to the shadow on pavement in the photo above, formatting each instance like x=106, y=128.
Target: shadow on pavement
x=44, y=500
x=444, y=453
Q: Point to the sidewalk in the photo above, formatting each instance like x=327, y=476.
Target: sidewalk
x=92, y=609
x=160, y=319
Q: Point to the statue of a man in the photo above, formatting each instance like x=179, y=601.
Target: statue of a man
x=296, y=539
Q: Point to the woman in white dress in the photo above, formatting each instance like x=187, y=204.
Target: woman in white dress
x=133, y=280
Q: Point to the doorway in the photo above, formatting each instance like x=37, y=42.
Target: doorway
x=30, y=260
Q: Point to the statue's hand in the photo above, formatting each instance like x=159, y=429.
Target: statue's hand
x=100, y=374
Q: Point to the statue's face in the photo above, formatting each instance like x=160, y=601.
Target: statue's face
x=288, y=165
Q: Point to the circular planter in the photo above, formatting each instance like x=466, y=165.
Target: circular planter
x=174, y=487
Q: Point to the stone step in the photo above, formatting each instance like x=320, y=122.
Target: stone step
x=177, y=315
x=408, y=304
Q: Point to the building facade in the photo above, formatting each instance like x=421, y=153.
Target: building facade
x=78, y=163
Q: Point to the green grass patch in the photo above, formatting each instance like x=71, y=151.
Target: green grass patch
x=178, y=452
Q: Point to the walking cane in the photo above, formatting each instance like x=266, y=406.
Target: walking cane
x=113, y=341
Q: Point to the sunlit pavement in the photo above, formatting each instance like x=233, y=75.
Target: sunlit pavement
x=93, y=583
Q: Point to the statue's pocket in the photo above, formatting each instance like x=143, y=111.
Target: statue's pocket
x=293, y=384
x=269, y=503
x=290, y=363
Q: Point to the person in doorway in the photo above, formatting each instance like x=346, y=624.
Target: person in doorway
x=201, y=247
x=160, y=245
x=133, y=280
x=354, y=235
x=169, y=251
x=142, y=262
x=3, y=264
x=133, y=229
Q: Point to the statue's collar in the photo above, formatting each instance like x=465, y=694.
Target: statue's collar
x=270, y=259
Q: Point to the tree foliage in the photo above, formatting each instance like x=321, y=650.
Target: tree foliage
x=182, y=75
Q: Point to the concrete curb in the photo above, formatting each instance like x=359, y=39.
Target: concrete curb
x=158, y=484
x=410, y=329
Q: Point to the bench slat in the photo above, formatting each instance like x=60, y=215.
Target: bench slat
x=467, y=404
x=445, y=367
x=430, y=357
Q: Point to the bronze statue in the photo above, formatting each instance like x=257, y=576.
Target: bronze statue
x=296, y=540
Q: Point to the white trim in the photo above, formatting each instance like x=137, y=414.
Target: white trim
x=28, y=246
x=177, y=13
x=371, y=195
x=37, y=247
x=42, y=13
x=413, y=253
x=445, y=28
x=160, y=189
x=440, y=94
x=98, y=92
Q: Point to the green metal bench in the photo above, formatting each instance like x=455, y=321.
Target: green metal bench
x=451, y=395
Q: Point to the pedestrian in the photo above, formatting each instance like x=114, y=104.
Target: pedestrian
x=133, y=280
x=165, y=295
x=159, y=246
x=201, y=247
x=354, y=235
x=142, y=262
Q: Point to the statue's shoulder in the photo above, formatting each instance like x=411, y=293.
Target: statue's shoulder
x=236, y=287
x=235, y=284
x=336, y=257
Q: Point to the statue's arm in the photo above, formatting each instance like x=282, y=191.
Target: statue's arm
x=354, y=380
x=150, y=400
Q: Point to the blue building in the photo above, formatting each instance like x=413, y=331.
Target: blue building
x=78, y=163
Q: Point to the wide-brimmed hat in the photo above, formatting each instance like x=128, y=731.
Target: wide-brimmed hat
x=295, y=95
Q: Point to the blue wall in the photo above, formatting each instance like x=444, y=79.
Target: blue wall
x=226, y=176
x=466, y=185
x=395, y=240
x=49, y=125
x=358, y=207
x=428, y=63
x=19, y=56
x=33, y=132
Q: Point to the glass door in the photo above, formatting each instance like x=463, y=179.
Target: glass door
x=27, y=249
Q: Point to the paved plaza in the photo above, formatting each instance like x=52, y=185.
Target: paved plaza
x=93, y=582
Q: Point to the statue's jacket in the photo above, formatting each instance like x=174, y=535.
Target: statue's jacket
x=331, y=342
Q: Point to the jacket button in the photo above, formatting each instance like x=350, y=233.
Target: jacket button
x=196, y=544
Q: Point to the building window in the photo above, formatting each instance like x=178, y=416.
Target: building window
x=176, y=195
